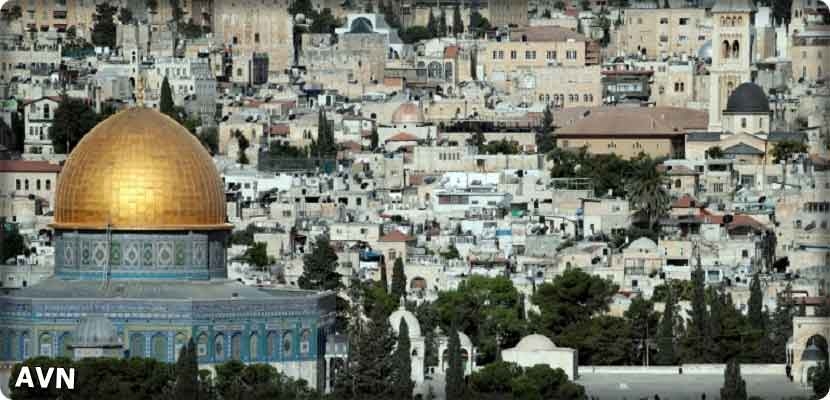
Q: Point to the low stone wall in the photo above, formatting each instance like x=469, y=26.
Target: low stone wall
x=689, y=369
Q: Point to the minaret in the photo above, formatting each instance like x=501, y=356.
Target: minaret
x=731, y=54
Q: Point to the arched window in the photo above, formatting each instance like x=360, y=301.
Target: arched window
x=219, y=347
x=305, y=341
x=434, y=70
x=448, y=72
x=729, y=88
x=137, y=345
x=286, y=344
x=677, y=183
x=65, y=344
x=736, y=49
x=256, y=37
x=25, y=346
x=253, y=347
x=160, y=347
x=202, y=345
x=179, y=343
x=45, y=345
x=272, y=342
x=236, y=346
x=743, y=122
x=46, y=111
x=725, y=49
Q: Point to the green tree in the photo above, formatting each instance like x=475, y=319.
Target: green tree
x=643, y=321
x=646, y=189
x=300, y=7
x=398, y=289
x=782, y=151
x=451, y=253
x=477, y=137
x=245, y=236
x=457, y=22
x=125, y=16
x=320, y=267
x=325, y=145
x=601, y=340
x=559, y=5
x=572, y=297
x=369, y=371
x=384, y=281
x=12, y=245
x=665, y=340
x=432, y=24
x=479, y=25
x=243, y=145
x=734, y=387
x=257, y=255
x=442, y=23
x=820, y=377
x=153, y=6
x=487, y=310
x=585, y=4
x=166, y=105
x=324, y=22
x=756, y=303
x=72, y=120
x=781, y=324
x=103, y=30
x=544, y=137
x=495, y=377
x=402, y=376
x=715, y=300
x=13, y=13
x=714, y=152
x=697, y=341
x=209, y=138
x=186, y=385
x=414, y=34
x=455, y=386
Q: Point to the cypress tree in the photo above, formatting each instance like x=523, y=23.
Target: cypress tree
x=369, y=370
x=734, y=387
x=715, y=324
x=457, y=22
x=455, y=371
x=384, y=282
x=166, y=105
x=698, y=340
x=665, y=334
x=432, y=24
x=442, y=23
x=398, y=280
x=756, y=299
x=186, y=385
x=403, y=384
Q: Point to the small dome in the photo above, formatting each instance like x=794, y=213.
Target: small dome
x=96, y=332
x=408, y=113
x=411, y=322
x=748, y=98
x=464, y=340
x=811, y=353
x=705, y=51
x=535, y=342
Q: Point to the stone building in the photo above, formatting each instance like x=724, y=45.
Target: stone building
x=246, y=27
x=657, y=32
x=731, y=55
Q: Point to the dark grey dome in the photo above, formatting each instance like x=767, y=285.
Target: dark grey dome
x=748, y=98
x=811, y=353
x=96, y=332
x=361, y=25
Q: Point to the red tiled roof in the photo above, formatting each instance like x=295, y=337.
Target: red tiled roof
x=351, y=145
x=28, y=166
x=280, y=130
x=451, y=52
x=396, y=236
x=685, y=201
x=737, y=220
x=403, y=137
x=56, y=99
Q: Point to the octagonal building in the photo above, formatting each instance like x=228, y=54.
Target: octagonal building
x=140, y=240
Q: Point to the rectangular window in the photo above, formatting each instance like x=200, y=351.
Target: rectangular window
x=551, y=55
x=17, y=184
x=684, y=21
x=530, y=55
x=664, y=21
x=513, y=54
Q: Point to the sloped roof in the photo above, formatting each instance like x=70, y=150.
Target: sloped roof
x=403, y=137
x=685, y=201
x=703, y=137
x=28, y=166
x=743, y=149
x=396, y=236
x=621, y=121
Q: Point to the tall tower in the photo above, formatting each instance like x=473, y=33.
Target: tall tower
x=731, y=55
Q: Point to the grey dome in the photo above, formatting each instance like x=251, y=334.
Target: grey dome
x=96, y=332
x=811, y=353
x=748, y=98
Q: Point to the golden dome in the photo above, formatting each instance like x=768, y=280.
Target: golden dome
x=139, y=170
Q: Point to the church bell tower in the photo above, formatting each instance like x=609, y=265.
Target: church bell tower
x=731, y=54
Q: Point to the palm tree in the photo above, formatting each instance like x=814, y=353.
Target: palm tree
x=647, y=192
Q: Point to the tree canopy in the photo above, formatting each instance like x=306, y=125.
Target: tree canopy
x=320, y=267
x=73, y=119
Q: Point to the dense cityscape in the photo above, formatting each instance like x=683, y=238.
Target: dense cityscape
x=416, y=199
